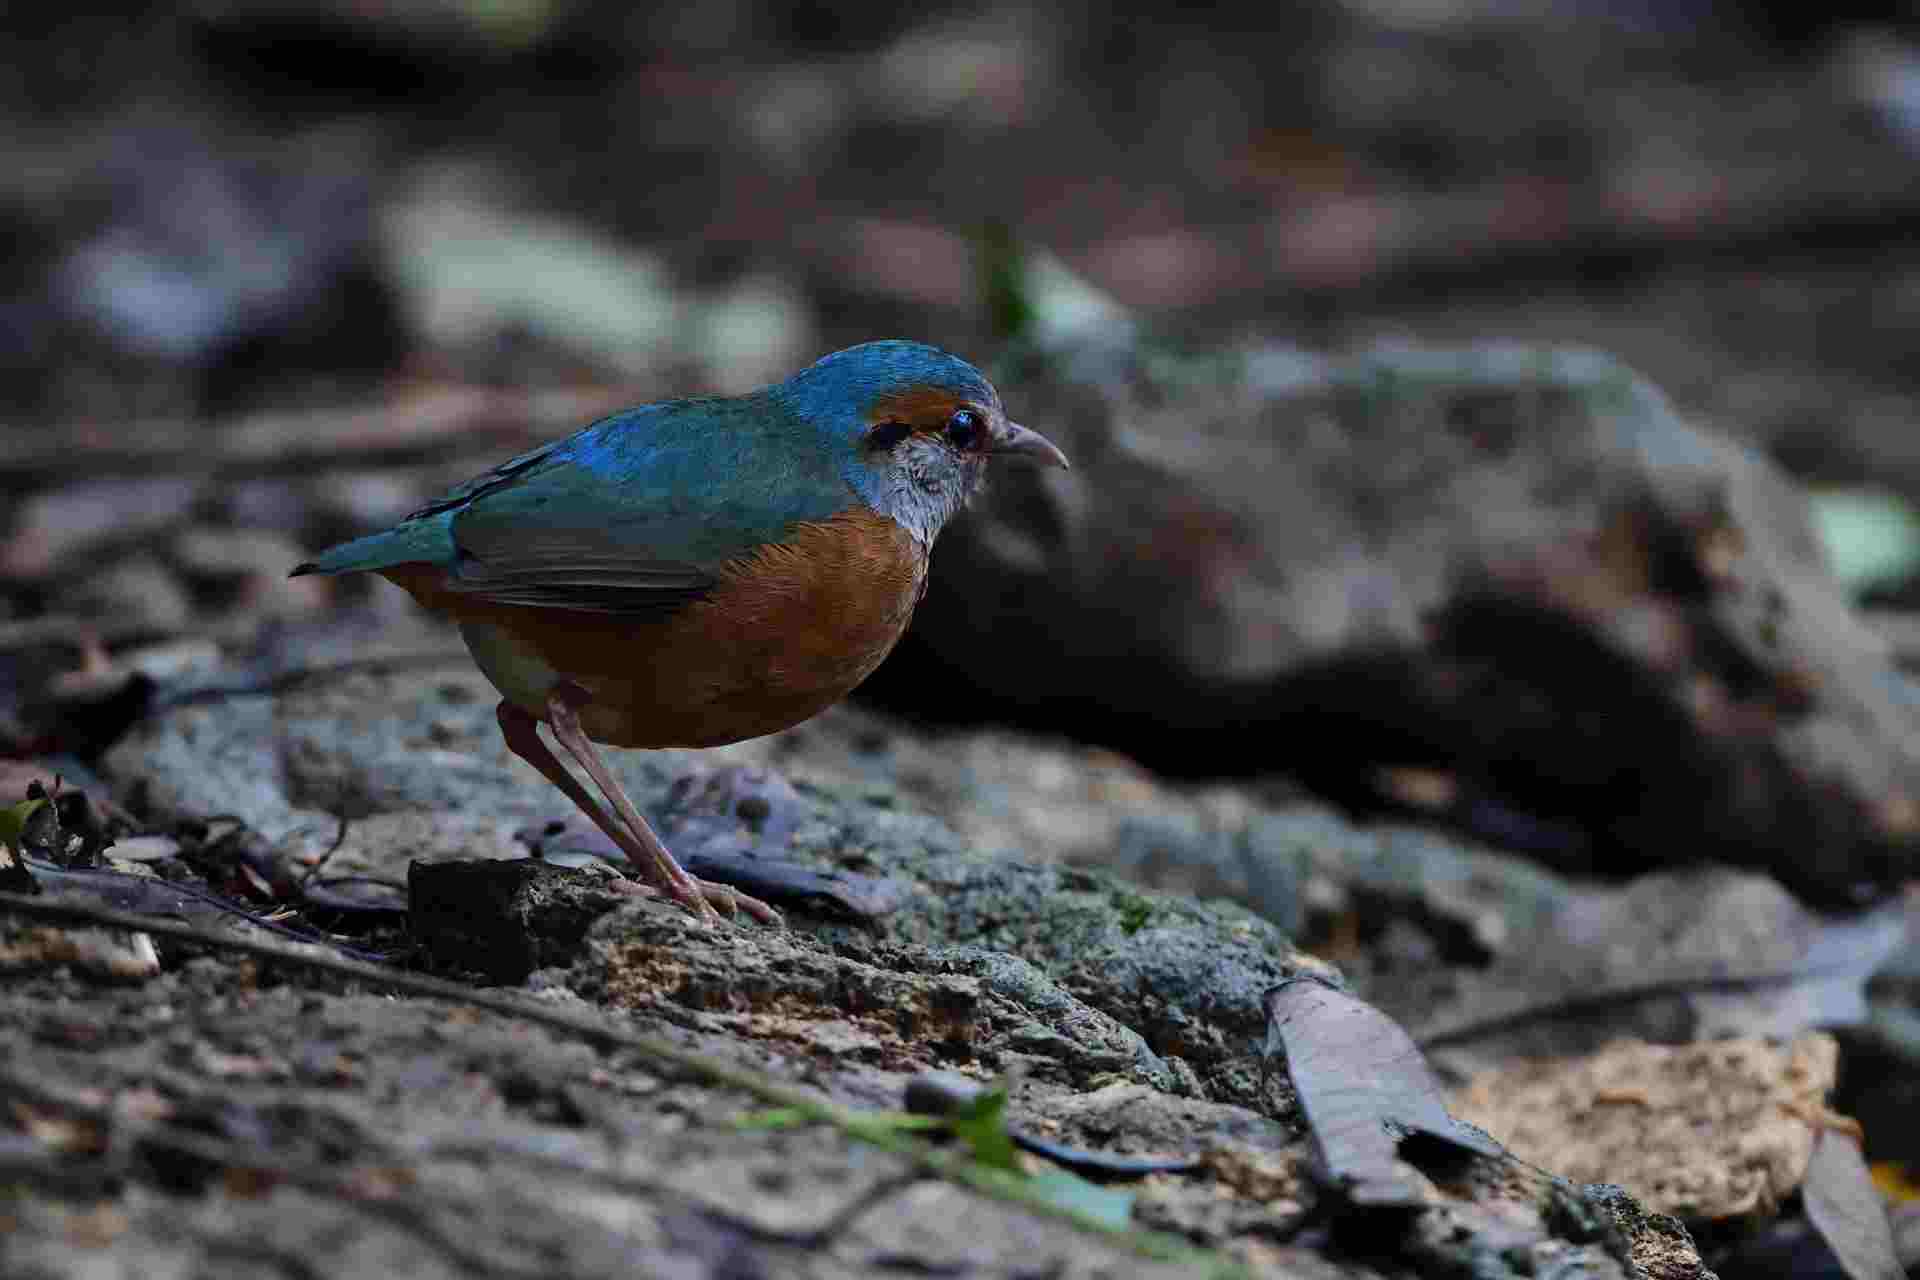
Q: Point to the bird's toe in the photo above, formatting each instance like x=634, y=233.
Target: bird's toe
x=732, y=903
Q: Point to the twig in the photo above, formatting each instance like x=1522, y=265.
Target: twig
x=339, y=838
x=54, y=877
x=955, y=1167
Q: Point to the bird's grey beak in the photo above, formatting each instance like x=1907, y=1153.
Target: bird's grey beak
x=1017, y=439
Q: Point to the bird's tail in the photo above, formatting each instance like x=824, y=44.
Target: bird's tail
x=410, y=542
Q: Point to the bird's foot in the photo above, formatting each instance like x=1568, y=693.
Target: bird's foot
x=707, y=900
x=653, y=864
x=731, y=902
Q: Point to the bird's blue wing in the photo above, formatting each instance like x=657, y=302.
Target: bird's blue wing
x=633, y=516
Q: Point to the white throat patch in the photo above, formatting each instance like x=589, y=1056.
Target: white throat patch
x=923, y=485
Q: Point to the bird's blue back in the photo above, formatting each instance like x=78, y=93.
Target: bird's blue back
x=687, y=484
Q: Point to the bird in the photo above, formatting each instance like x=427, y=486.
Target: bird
x=701, y=571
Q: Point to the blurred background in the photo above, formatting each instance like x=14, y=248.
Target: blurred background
x=225, y=206
x=281, y=271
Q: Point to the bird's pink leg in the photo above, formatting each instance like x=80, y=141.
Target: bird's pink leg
x=522, y=732
x=657, y=866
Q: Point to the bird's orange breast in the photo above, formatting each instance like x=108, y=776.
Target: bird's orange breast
x=789, y=630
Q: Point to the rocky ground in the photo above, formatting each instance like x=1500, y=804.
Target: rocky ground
x=973, y=909
x=400, y=1131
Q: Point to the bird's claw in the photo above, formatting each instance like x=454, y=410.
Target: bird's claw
x=710, y=901
x=731, y=902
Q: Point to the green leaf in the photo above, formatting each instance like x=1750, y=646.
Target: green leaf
x=869, y=1124
x=866, y=1125
x=982, y=1124
x=993, y=1162
x=13, y=823
x=1004, y=285
x=1108, y=1205
x=774, y=1119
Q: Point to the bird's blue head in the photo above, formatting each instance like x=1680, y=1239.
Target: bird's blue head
x=916, y=425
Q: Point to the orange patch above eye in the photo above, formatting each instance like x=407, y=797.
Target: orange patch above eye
x=922, y=406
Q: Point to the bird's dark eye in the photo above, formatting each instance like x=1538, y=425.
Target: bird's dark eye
x=888, y=434
x=963, y=429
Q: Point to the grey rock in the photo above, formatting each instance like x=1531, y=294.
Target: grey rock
x=1314, y=572
x=1123, y=978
